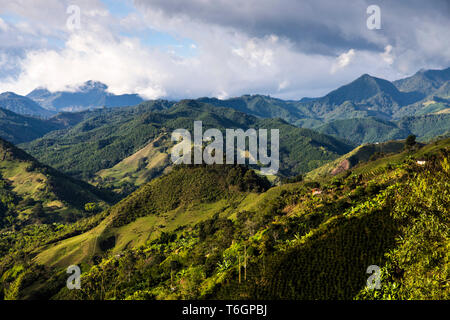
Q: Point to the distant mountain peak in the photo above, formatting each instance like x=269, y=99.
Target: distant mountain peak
x=366, y=76
x=371, y=79
x=92, y=85
x=364, y=87
x=424, y=81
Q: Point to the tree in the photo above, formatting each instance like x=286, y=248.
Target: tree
x=91, y=207
x=410, y=141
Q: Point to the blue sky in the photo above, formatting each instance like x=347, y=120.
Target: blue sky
x=120, y=8
x=222, y=48
x=150, y=37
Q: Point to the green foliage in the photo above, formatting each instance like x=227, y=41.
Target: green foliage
x=92, y=207
x=293, y=244
x=18, y=128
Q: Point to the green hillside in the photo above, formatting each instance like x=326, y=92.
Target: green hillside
x=34, y=193
x=141, y=167
x=428, y=126
x=361, y=154
x=102, y=139
x=18, y=128
x=371, y=130
x=363, y=130
x=260, y=106
x=187, y=234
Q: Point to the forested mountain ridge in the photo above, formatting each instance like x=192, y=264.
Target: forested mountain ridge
x=367, y=96
x=372, y=129
x=426, y=82
x=103, y=141
x=18, y=128
x=426, y=93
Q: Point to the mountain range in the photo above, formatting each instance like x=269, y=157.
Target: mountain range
x=44, y=104
x=368, y=109
x=425, y=92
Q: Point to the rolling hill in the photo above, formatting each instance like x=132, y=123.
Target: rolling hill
x=141, y=167
x=183, y=197
x=361, y=154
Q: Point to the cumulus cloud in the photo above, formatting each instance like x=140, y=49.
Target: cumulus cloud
x=121, y=63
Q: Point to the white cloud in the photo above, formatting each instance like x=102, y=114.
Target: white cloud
x=343, y=60
x=122, y=64
x=255, y=54
x=283, y=85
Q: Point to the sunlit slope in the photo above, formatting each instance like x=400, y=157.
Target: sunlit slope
x=360, y=154
x=149, y=162
x=177, y=200
x=40, y=193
